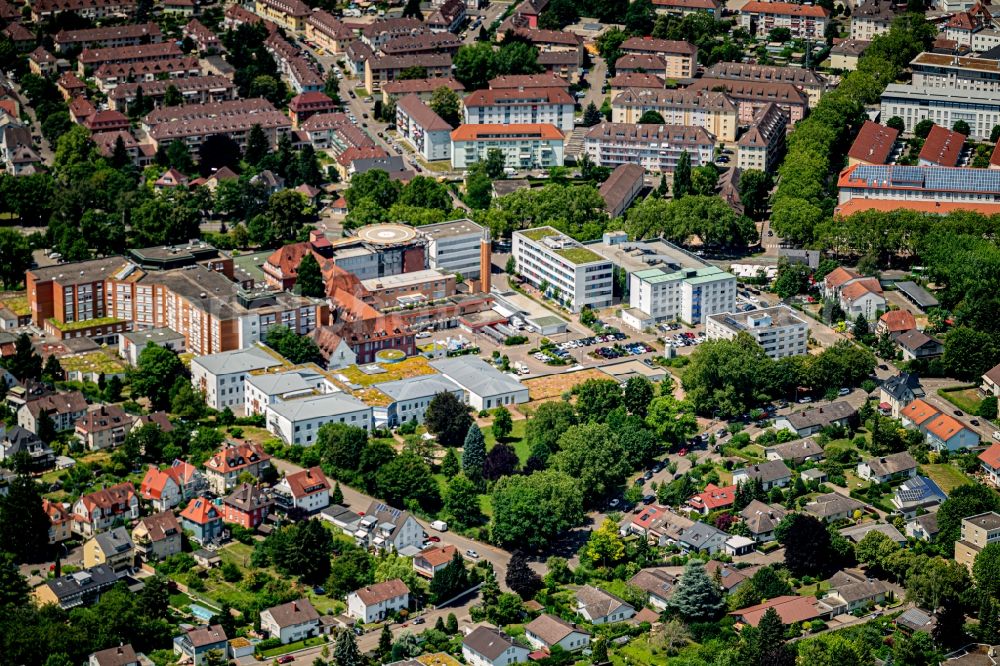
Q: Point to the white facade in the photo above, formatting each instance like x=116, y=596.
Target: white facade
x=944, y=106
x=653, y=147
x=291, y=633
x=688, y=295
x=222, y=376
x=523, y=146
x=368, y=614
x=130, y=345
x=411, y=397
x=503, y=653
x=778, y=330
x=506, y=113
x=423, y=129
x=298, y=421
x=574, y=274
x=455, y=246
x=485, y=387
x=264, y=389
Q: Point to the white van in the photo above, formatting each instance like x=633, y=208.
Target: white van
x=440, y=525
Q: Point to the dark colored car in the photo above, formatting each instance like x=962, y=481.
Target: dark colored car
x=649, y=499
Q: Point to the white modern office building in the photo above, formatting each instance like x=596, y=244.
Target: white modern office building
x=945, y=106
x=689, y=295
x=456, y=246
x=778, y=330
x=267, y=388
x=564, y=268
x=221, y=376
x=298, y=421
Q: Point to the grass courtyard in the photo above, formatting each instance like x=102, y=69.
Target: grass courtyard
x=947, y=476
x=966, y=399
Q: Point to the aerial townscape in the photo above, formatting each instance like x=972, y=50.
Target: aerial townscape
x=496, y=332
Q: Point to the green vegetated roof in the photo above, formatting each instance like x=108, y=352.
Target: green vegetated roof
x=579, y=255
x=539, y=233
x=86, y=323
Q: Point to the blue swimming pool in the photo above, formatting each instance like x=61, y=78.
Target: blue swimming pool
x=201, y=612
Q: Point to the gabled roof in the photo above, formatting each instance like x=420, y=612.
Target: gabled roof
x=105, y=417
x=945, y=426
x=154, y=483
x=785, y=9
x=914, y=340
x=991, y=456
x=767, y=472
x=123, y=493
x=489, y=642
x=832, y=504
x=761, y=518
x=873, y=143
x=655, y=582
x=714, y=497
x=598, y=603
x=372, y=595
x=161, y=526
x=839, y=276
x=919, y=412
x=897, y=321
x=201, y=512
x=235, y=456
x=861, y=288
x=942, y=147
x=122, y=655
x=207, y=635
x=798, y=450
x=294, y=613
x=551, y=629
x=790, y=608
x=307, y=482
x=891, y=464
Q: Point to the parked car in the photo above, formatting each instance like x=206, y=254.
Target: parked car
x=649, y=499
x=805, y=401
x=286, y=659
x=471, y=553
x=419, y=620
x=844, y=391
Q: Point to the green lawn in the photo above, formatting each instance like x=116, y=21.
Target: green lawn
x=291, y=647
x=966, y=399
x=515, y=439
x=853, y=480
x=948, y=477
x=810, y=590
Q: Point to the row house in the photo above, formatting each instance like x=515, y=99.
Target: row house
x=110, y=37
x=942, y=431
x=381, y=69
x=716, y=112
x=328, y=31
x=100, y=510
x=236, y=15
x=425, y=42
x=88, y=9
x=680, y=59
x=752, y=96
x=293, y=66
x=91, y=59
x=110, y=75
x=653, y=147
x=194, y=90
x=289, y=14
x=237, y=127
x=553, y=106
x=811, y=83
x=803, y=21
x=684, y=7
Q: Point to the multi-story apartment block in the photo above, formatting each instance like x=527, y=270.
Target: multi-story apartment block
x=110, y=75
x=812, y=84
x=89, y=9
x=939, y=186
x=964, y=26
x=112, y=37
x=716, y=112
x=425, y=131
x=945, y=106
x=751, y=96
x=507, y=106
x=289, y=14
x=328, y=31
x=653, y=147
x=99, y=510
x=378, y=32
x=298, y=71
x=525, y=146
x=804, y=21
x=103, y=427
x=935, y=71
x=778, y=330
x=763, y=144
x=565, y=269
x=204, y=39
x=92, y=59
x=424, y=42
x=689, y=295
x=422, y=88
x=977, y=532
x=192, y=124
x=195, y=90
x=871, y=18
x=680, y=59
x=873, y=144
x=385, y=68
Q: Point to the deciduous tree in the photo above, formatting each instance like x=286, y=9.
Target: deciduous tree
x=448, y=419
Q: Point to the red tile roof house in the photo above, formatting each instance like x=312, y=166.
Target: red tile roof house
x=791, y=609
x=895, y=321
x=307, y=491
x=430, y=561
x=376, y=602
x=222, y=469
x=167, y=488
x=204, y=520
x=247, y=506
x=98, y=511
x=713, y=499
x=990, y=459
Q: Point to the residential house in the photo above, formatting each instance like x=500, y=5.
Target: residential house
x=167, y=488
x=916, y=619
x=702, y=537
x=100, y=510
x=852, y=591
x=762, y=519
x=991, y=381
x=888, y=468
x=247, y=506
x=122, y=655
x=204, y=519
x=157, y=537
x=790, y=609
x=65, y=409
x=713, y=498
x=307, y=490
x=899, y=391
x=15, y=440
x=600, y=607
x=59, y=522
x=376, y=602
x=659, y=525
x=918, y=414
x=856, y=533
x=548, y=631
x=945, y=432
x=103, y=427
x=729, y=577
x=990, y=462
x=428, y=562
x=832, y=507
x=922, y=527
x=80, y=588
x=489, y=646
x=195, y=644
x=836, y=279
x=812, y=420
x=771, y=474
x=383, y=527
x=113, y=548
x=919, y=492
x=895, y=321
x=294, y=621
x=795, y=453
x=976, y=533
x=235, y=458
x=657, y=584
x=917, y=345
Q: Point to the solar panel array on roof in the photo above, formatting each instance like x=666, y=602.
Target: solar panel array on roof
x=931, y=178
